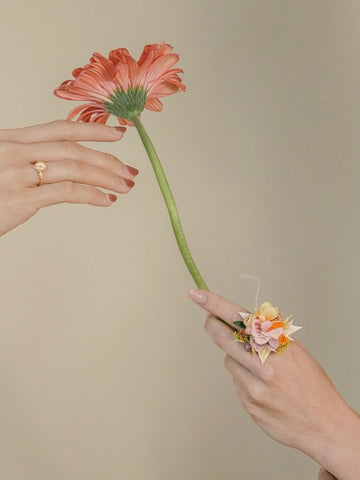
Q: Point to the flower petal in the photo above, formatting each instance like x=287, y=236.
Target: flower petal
x=154, y=104
x=102, y=78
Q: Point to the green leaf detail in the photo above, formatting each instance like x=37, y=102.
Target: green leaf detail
x=128, y=104
x=240, y=324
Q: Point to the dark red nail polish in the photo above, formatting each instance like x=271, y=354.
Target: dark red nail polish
x=119, y=129
x=112, y=197
x=129, y=183
x=132, y=171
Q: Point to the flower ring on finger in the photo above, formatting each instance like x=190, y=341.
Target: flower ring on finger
x=264, y=331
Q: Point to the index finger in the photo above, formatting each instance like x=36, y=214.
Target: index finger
x=217, y=305
x=59, y=130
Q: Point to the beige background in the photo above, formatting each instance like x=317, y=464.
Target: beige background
x=105, y=371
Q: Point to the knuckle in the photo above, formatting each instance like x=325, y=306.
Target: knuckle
x=70, y=149
x=249, y=407
x=7, y=148
x=252, y=411
x=68, y=188
x=72, y=165
x=208, y=322
x=214, y=303
x=217, y=332
x=65, y=128
x=248, y=404
x=220, y=338
x=268, y=374
x=108, y=160
x=92, y=194
x=258, y=393
x=228, y=362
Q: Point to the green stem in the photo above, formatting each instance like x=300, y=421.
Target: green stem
x=170, y=203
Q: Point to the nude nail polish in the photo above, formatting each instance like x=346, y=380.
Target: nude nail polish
x=197, y=297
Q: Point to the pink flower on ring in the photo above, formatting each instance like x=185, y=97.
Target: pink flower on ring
x=262, y=336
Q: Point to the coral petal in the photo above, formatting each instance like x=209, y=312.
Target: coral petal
x=154, y=104
x=96, y=82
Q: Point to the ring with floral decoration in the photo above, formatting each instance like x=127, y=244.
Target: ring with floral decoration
x=40, y=168
x=265, y=331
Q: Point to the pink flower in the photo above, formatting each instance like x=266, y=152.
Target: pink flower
x=263, y=335
x=122, y=86
x=265, y=331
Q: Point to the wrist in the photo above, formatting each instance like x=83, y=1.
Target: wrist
x=339, y=447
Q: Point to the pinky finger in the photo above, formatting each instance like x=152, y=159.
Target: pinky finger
x=69, y=192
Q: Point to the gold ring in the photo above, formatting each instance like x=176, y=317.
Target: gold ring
x=40, y=167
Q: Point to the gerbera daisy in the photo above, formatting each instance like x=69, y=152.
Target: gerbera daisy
x=122, y=86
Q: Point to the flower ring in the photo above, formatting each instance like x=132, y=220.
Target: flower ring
x=265, y=331
x=40, y=167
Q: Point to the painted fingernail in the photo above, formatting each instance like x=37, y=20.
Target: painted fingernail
x=132, y=171
x=197, y=297
x=129, y=183
x=112, y=197
x=117, y=130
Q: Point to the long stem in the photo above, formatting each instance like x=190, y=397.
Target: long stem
x=170, y=203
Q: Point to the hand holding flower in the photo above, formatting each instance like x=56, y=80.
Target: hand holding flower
x=73, y=173
x=290, y=397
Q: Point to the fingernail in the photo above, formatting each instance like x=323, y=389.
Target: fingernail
x=118, y=130
x=112, y=197
x=129, y=183
x=132, y=171
x=197, y=297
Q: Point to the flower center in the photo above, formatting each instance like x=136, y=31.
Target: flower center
x=127, y=104
x=265, y=336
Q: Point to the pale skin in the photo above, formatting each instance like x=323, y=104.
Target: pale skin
x=291, y=397
x=75, y=173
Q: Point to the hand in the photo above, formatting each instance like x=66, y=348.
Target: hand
x=74, y=172
x=324, y=475
x=290, y=397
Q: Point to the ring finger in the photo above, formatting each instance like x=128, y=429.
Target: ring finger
x=79, y=172
x=51, y=151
